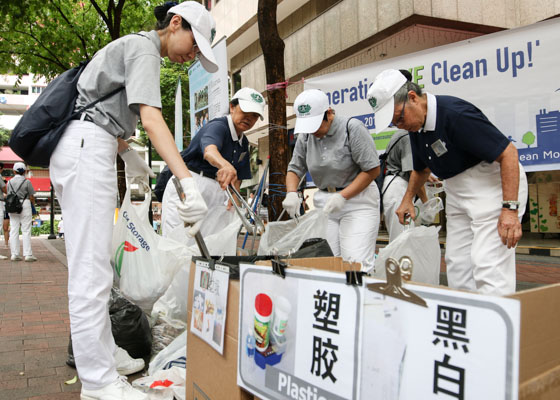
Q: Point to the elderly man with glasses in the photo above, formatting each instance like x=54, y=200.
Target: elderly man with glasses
x=485, y=185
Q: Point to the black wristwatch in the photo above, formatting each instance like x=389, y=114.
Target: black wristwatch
x=510, y=205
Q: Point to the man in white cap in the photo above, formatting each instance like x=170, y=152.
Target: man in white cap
x=486, y=187
x=217, y=156
x=25, y=192
x=340, y=155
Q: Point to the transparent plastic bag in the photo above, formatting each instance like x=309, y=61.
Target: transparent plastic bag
x=421, y=244
x=285, y=237
x=426, y=212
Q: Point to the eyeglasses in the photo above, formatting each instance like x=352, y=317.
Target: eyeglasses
x=401, y=117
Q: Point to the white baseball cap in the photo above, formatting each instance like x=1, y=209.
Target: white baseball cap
x=310, y=107
x=204, y=29
x=380, y=96
x=250, y=101
x=19, y=167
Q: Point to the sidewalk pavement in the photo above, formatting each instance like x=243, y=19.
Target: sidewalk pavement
x=34, y=324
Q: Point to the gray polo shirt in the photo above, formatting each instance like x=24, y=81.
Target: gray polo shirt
x=337, y=158
x=132, y=61
x=26, y=188
x=399, y=159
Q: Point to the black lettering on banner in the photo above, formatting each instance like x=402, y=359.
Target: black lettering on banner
x=449, y=379
x=324, y=355
x=326, y=311
x=451, y=324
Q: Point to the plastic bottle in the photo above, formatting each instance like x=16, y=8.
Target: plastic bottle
x=263, y=312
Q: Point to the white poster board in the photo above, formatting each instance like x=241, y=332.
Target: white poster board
x=209, y=93
x=316, y=355
x=462, y=346
x=210, y=303
x=512, y=76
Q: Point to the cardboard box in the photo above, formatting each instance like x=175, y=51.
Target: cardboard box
x=544, y=207
x=211, y=376
x=539, y=353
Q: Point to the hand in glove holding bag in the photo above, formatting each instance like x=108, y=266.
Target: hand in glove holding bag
x=193, y=210
x=292, y=204
x=334, y=203
x=136, y=169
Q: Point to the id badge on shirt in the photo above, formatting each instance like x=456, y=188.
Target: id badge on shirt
x=439, y=148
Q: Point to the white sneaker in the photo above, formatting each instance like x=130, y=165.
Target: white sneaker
x=126, y=365
x=30, y=258
x=3, y=257
x=16, y=258
x=118, y=390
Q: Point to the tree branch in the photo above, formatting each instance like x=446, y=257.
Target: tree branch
x=72, y=27
x=56, y=61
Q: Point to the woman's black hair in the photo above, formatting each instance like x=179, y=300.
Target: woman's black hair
x=406, y=74
x=164, y=18
x=325, y=116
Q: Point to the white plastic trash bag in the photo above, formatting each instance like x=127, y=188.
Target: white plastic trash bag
x=173, y=303
x=285, y=237
x=223, y=242
x=144, y=262
x=175, y=354
x=421, y=244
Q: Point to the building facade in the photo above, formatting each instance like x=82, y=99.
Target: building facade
x=325, y=36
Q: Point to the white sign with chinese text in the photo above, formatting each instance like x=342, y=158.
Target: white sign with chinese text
x=462, y=346
x=299, y=337
x=210, y=304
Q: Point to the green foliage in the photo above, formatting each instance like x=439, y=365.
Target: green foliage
x=4, y=136
x=528, y=138
x=46, y=37
x=44, y=229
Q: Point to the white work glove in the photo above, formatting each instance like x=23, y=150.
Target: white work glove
x=194, y=209
x=292, y=204
x=334, y=203
x=136, y=170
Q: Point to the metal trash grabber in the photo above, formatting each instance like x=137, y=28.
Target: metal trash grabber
x=198, y=236
x=231, y=191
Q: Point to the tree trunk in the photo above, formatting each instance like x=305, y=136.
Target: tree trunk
x=273, y=51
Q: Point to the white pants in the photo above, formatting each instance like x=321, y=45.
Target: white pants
x=22, y=219
x=395, y=188
x=83, y=174
x=211, y=192
x=475, y=256
x=352, y=232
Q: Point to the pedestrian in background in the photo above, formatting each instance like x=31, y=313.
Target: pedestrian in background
x=25, y=192
x=3, y=213
x=485, y=186
x=83, y=173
